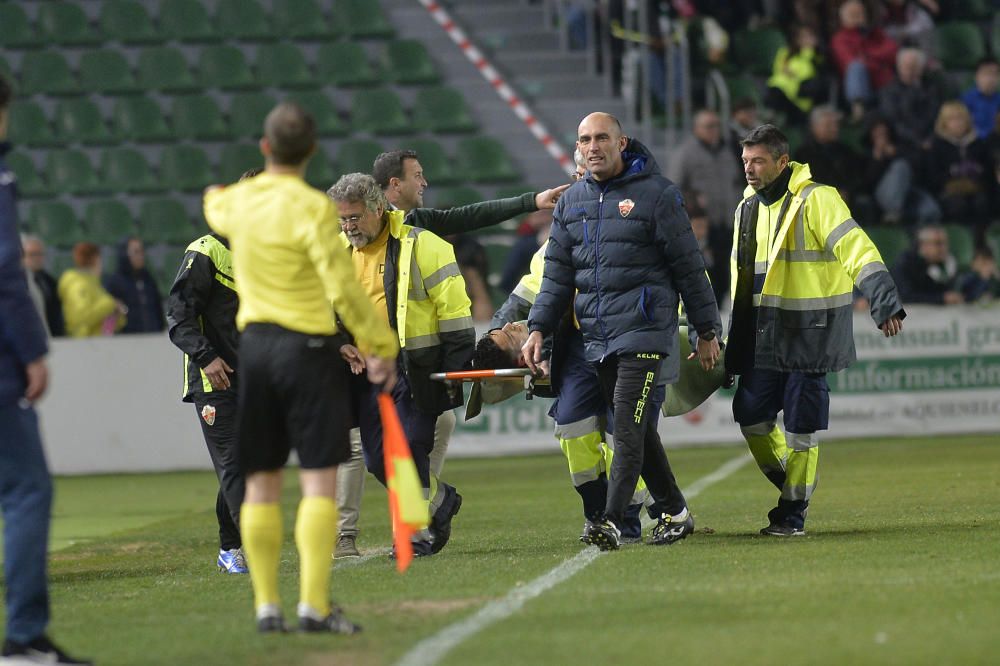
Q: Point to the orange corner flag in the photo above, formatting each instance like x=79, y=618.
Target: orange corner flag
x=406, y=499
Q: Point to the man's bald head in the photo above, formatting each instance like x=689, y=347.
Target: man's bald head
x=290, y=133
x=600, y=140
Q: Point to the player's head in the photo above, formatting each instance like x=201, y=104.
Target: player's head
x=599, y=138
x=401, y=177
x=765, y=155
x=361, y=205
x=501, y=347
x=87, y=257
x=580, y=164
x=289, y=135
x=6, y=95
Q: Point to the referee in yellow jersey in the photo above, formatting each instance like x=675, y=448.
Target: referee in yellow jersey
x=293, y=390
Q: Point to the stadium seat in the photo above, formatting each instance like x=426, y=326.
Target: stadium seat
x=753, y=51
x=126, y=170
x=442, y=109
x=961, y=243
x=993, y=238
x=483, y=159
x=283, y=66
x=362, y=18
x=971, y=10
x=959, y=44
x=164, y=220
x=449, y=197
x=16, y=31
x=47, y=72
x=407, y=61
x=71, y=171
x=995, y=37
x=108, y=222
x=358, y=155
x=301, y=19
x=6, y=70
x=185, y=167
x=65, y=23
x=79, y=119
x=743, y=86
x=165, y=69
x=140, y=119
x=29, y=126
x=55, y=222
x=244, y=20
x=379, y=111
x=890, y=241
x=106, y=71
x=247, y=112
x=198, y=117
x=237, y=158
x=345, y=64
x=186, y=21
x=224, y=67
x=127, y=21
x=328, y=122
x=321, y=172
x=438, y=169
x=29, y=183
x=496, y=255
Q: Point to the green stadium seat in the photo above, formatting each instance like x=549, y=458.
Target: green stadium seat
x=995, y=38
x=321, y=172
x=496, y=256
x=283, y=66
x=71, y=171
x=992, y=238
x=237, y=158
x=753, y=51
x=224, y=67
x=185, y=167
x=29, y=183
x=971, y=10
x=108, y=222
x=407, y=61
x=60, y=262
x=16, y=31
x=442, y=109
x=165, y=69
x=163, y=220
x=126, y=170
x=483, y=159
x=244, y=20
x=358, y=155
x=198, y=117
x=301, y=19
x=890, y=241
x=186, y=21
x=449, y=197
x=106, y=71
x=362, y=18
x=438, y=168
x=127, y=21
x=79, y=119
x=140, y=119
x=247, y=112
x=7, y=72
x=961, y=243
x=959, y=44
x=328, y=121
x=743, y=86
x=379, y=111
x=345, y=64
x=65, y=23
x=47, y=72
x=29, y=126
x=55, y=222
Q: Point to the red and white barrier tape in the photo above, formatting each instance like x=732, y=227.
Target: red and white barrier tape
x=490, y=73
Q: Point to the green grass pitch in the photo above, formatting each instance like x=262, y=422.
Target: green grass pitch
x=901, y=566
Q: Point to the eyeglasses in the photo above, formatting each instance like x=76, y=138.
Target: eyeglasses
x=351, y=219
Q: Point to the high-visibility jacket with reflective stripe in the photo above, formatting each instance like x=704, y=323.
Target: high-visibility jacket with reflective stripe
x=518, y=304
x=429, y=309
x=804, y=274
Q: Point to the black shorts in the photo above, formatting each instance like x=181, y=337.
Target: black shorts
x=294, y=393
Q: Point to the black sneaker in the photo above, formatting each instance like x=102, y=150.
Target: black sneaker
x=422, y=548
x=440, y=527
x=782, y=530
x=603, y=534
x=334, y=623
x=667, y=531
x=270, y=620
x=39, y=651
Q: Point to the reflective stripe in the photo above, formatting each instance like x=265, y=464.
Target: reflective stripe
x=414, y=232
x=423, y=341
x=870, y=269
x=756, y=300
x=457, y=324
x=522, y=291
x=225, y=280
x=801, y=304
x=441, y=274
x=576, y=428
x=800, y=222
x=805, y=256
x=760, y=267
x=800, y=441
x=763, y=428
x=416, y=295
x=840, y=232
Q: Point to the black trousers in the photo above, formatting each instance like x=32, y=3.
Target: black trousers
x=217, y=414
x=629, y=385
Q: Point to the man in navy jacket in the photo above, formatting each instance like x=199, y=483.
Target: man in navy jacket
x=622, y=243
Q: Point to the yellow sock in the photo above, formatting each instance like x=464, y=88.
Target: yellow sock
x=315, y=533
x=260, y=527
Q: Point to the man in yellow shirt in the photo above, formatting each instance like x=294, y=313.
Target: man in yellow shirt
x=293, y=391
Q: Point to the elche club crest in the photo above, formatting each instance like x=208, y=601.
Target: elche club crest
x=208, y=413
x=625, y=207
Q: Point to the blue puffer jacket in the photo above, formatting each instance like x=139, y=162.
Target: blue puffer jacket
x=626, y=247
x=22, y=336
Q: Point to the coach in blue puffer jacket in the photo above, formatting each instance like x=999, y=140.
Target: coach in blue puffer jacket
x=621, y=241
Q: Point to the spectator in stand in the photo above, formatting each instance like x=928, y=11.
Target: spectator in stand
x=890, y=176
x=910, y=22
x=742, y=119
x=34, y=262
x=912, y=100
x=958, y=169
x=718, y=271
x=983, y=99
x=831, y=160
x=797, y=84
x=134, y=286
x=981, y=283
x=865, y=56
x=88, y=309
x=927, y=273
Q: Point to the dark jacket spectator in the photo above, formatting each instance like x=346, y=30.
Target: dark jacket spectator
x=927, y=273
x=134, y=286
x=891, y=176
x=910, y=22
x=981, y=283
x=34, y=262
x=913, y=98
x=983, y=99
x=830, y=160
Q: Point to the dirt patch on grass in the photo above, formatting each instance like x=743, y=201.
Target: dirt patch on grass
x=428, y=605
x=336, y=657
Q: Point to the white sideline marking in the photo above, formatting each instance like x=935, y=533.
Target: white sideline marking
x=355, y=561
x=432, y=649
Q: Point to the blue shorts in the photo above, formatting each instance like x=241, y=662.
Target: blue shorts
x=804, y=397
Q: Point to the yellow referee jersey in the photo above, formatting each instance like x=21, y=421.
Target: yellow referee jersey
x=289, y=262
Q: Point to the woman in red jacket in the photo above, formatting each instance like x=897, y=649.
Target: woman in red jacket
x=865, y=56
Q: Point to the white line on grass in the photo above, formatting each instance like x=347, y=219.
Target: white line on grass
x=432, y=649
x=367, y=557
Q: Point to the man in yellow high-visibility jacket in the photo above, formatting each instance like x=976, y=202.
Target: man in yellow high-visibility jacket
x=797, y=256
